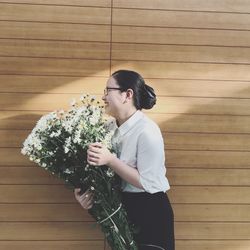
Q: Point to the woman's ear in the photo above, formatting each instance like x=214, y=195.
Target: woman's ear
x=129, y=93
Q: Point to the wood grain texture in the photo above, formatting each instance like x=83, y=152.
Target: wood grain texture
x=212, y=244
x=211, y=212
x=49, y=66
x=101, y=3
x=174, y=158
x=173, y=141
x=66, y=231
x=179, y=176
x=180, y=53
x=198, y=71
x=209, y=230
x=54, y=13
x=55, y=31
x=176, y=105
x=43, y=213
x=207, y=159
x=210, y=177
x=171, y=123
x=53, y=194
x=54, y=49
x=13, y=231
x=185, y=19
x=195, y=5
x=181, y=36
x=53, y=84
x=74, y=213
x=95, y=85
x=210, y=195
x=53, y=245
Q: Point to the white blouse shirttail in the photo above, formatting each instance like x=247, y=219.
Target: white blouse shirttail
x=138, y=142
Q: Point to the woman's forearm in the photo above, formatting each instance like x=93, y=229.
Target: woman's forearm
x=127, y=173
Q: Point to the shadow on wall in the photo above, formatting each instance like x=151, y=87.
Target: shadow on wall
x=188, y=123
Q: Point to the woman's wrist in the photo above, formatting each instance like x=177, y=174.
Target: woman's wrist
x=112, y=160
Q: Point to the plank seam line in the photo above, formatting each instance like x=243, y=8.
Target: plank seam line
x=55, y=5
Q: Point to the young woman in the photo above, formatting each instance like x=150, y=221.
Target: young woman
x=140, y=161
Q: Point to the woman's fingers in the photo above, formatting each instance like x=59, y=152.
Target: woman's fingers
x=96, y=144
x=86, y=199
x=87, y=203
x=92, y=154
x=77, y=192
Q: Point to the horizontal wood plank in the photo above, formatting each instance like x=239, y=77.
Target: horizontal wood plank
x=27, y=175
x=211, y=5
x=180, y=53
x=198, y=71
x=54, y=49
x=53, y=84
x=177, y=105
x=209, y=177
x=26, y=120
x=43, y=213
x=95, y=85
x=200, y=88
x=101, y=3
x=19, y=119
x=51, y=66
x=205, y=142
x=52, y=245
x=74, y=212
x=208, y=195
x=50, y=231
x=213, y=231
x=156, y=35
x=211, y=212
x=177, y=176
x=200, y=123
x=55, y=31
x=207, y=159
x=212, y=244
x=174, y=159
x=54, y=13
x=13, y=156
x=37, y=194
x=211, y=20
x=80, y=231
x=180, y=141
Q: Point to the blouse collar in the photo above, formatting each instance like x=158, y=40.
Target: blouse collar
x=127, y=125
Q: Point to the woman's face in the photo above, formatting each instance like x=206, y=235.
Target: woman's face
x=113, y=98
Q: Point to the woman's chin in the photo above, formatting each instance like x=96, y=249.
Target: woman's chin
x=107, y=110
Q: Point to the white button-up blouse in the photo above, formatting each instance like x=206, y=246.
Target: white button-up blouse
x=138, y=142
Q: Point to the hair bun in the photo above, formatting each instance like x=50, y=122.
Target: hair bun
x=148, y=98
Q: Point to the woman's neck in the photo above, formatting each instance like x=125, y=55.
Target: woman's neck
x=124, y=117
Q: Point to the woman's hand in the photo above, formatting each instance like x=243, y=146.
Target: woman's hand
x=86, y=199
x=98, y=154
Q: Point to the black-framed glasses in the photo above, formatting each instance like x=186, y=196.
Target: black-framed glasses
x=106, y=90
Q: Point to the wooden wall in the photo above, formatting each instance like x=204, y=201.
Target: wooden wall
x=196, y=54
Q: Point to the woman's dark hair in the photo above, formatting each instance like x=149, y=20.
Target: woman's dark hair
x=144, y=96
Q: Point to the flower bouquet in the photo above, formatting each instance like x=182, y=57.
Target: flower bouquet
x=59, y=143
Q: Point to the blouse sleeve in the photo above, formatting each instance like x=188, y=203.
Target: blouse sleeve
x=151, y=159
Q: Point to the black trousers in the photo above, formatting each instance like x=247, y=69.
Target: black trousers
x=152, y=214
